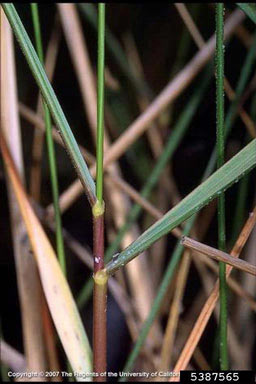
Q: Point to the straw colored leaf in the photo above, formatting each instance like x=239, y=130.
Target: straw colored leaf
x=59, y=298
x=210, y=303
x=28, y=284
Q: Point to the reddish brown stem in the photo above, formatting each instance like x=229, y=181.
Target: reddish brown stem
x=99, y=331
x=99, y=301
x=98, y=242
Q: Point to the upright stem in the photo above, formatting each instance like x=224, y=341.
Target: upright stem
x=100, y=276
x=221, y=198
x=50, y=147
x=100, y=102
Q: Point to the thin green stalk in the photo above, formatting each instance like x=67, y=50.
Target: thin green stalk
x=50, y=147
x=246, y=70
x=247, y=67
x=100, y=277
x=100, y=102
x=51, y=100
x=112, y=44
x=174, y=140
x=116, y=99
x=221, y=198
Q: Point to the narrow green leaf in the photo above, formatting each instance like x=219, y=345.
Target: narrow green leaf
x=222, y=179
x=50, y=146
x=249, y=9
x=51, y=100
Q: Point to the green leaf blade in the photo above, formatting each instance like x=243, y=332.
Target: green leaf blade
x=222, y=179
x=51, y=100
x=249, y=9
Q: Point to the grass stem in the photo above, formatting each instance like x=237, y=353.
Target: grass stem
x=50, y=147
x=173, y=142
x=220, y=162
x=100, y=277
x=100, y=102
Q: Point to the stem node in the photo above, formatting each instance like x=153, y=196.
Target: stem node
x=101, y=277
x=98, y=209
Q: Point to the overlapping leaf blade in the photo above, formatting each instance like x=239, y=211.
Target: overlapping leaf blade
x=222, y=179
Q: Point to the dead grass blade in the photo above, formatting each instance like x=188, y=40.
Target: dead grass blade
x=27, y=276
x=218, y=255
x=209, y=306
x=59, y=298
x=170, y=333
